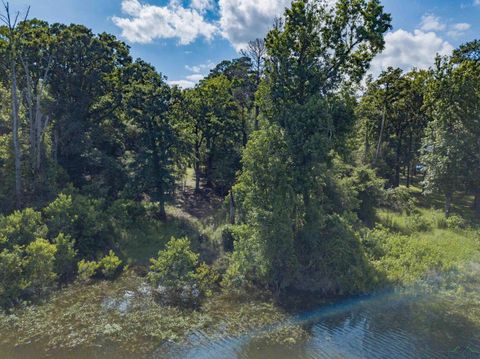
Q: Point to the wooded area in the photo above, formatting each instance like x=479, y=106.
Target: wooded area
x=298, y=141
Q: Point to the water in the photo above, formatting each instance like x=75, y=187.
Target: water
x=384, y=326
x=389, y=325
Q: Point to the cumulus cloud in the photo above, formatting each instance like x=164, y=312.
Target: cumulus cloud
x=202, y=5
x=200, y=68
x=184, y=84
x=245, y=20
x=459, y=29
x=145, y=23
x=197, y=73
x=410, y=49
x=431, y=23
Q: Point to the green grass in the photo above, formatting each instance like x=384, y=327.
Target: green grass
x=145, y=239
x=412, y=247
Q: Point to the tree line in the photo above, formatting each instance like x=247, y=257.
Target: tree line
x=281, y=132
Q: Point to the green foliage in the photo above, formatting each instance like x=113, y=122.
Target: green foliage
x=456, y=222
x=400, y=200
x=12, y=279
x=174, y=265
x=81, y=218
x=247, y=266
x=451, y=147
x=87, y=270
x=110, y=265
x=207, y=278
x=178, y=277
x=40, y=267
x=65, y=263
x=266, y=198
x=366, y=192
x=21, y=228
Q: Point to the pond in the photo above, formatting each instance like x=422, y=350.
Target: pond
x=394, y=325
x=398, y=324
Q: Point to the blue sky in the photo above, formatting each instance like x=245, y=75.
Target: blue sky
x=183, y=39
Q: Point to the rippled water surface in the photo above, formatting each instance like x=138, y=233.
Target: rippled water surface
x=386, y=326
x=390, y=325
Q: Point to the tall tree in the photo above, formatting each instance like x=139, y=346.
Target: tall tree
x=451, y=145
x=310, y=57
x=154, y=136
x=256, y=51
x=10, y=35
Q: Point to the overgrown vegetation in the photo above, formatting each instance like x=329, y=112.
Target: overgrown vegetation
x=270, y=176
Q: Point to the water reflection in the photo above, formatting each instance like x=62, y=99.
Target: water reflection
x=395, y=325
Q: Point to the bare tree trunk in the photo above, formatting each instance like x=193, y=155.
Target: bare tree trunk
x=197, y=169
x=232, y=208
x=476, y=202
x=448, y=204
x=16, y=144
x=380, y=137
x=409, y=165
x=382, y=128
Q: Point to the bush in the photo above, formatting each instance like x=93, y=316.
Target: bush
x=400, y=200
x=456, y=222
x=86, y=270
x=65, y=257
x=207, y=278
x=417, y=223
x=81, y=218
x=367, y=190
x=12, y=281
x=228, y=239
x=126, y=212
x=110, y=265
x=246, y=264
x=174, y=274
x=21, y=228
x=40, y=267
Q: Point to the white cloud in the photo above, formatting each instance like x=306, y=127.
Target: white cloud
x=146, y=23
x=201, y=67
x=458, y=30
x=198, y=72
x=463, y=26
x=407, y=50
x=195, y=77
x=202, y=5
x=245, y=20
x=185, y=84
x=477, y=2
x=431, y=23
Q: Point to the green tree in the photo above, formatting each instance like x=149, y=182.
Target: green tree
x=451, y=143
x=266, y=198
x=155, y=139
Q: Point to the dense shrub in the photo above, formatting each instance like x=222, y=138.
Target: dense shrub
x=366, y=192
x=81, y=218
x=177, y=277
x=246, y=265
x=417, y=223
x=12, y=281
x=335, y=263
x=400, y=200
x=456, y=222
x=86, y=270
x=40, y=267
x=110, y=265
x=65, y=257
x=21, y=228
